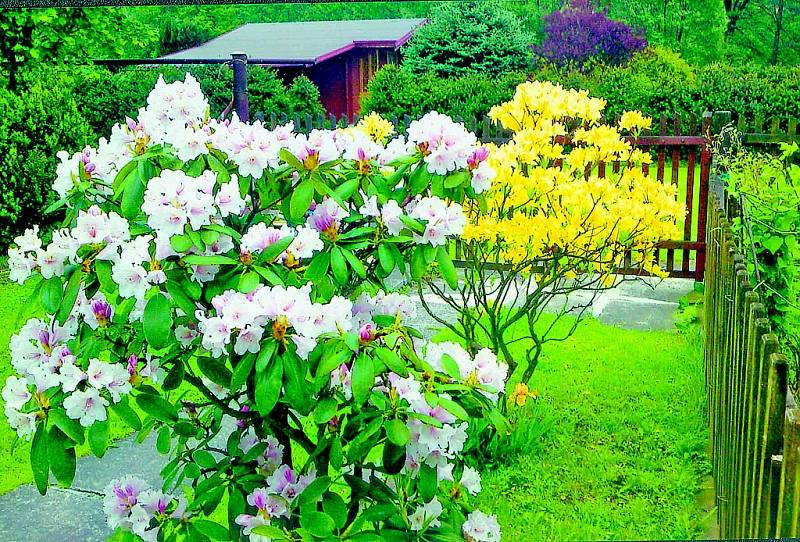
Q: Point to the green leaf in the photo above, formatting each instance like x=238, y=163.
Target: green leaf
x=270, y=531
x=428, y=482
x=51, y=294
x=157, y=407
x=339, y=265
x=276, y=249
x=97, y=437
x=329, y=362
x=103, y=270
x=347, y=189
x=363, y=443
x=61, y=456
x=163, y=440
x=301, y=200
x=219, y=168
x=319, y=265
x=40, y=463
x=204, y=459
x=180, y=298
x=197, y=259
x=180, y=243
x=287, y=156
x=773, y=243
x=362, y=378
x=268, y=385
x=175, y=376
x=325, y=410
x=446, y=267
x=456, y=179
x=211, y=529
x=314, y=491
x=157, y=321
x=248, y=282
x=70, y=295
x=451, y=367
x=318, y=524
x=269, y=275
x=124, y=411
x=392, y=361
x=355, y=263
x=420, y=178
x=72, y=428
x=294, y=383
x=418, y=264
x=133, y=197
x=385, y=258
x=397, y=432
x=242, y=371
x=215, y=370
x=454, y=408
x=335, y=507
x=268, y=350
x=220, y=228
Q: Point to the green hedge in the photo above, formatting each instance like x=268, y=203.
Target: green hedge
x=656, y=81
x=105, y=97
x=34, y=125
x=395, y=91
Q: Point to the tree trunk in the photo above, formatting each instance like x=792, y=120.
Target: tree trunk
x=776, y=41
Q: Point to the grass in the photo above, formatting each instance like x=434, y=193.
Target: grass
x=623, y=450
x=614, y=448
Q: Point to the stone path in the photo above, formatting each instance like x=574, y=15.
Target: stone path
x=76, y=515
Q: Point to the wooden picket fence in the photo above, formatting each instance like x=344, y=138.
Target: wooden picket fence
x=753, y=418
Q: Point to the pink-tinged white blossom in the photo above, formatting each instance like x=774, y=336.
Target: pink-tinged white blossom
x=327, y=217
x=390, y=216
x=445, y=144
x=481, y=527
x=16, y=393
x=229, y=201
x=426, y=515
x=471, y=480
x=86, y=406
x=442, y=220
x=24, y=423
x=173, y=199
x=95, y=227
x=287, y=483
x=370, y=206
x=484, y=371
x=318, y=147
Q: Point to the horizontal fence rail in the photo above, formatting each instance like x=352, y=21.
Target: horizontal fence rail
x=753, y=418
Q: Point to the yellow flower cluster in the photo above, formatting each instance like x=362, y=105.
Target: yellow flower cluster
x=556, y=196
x=376, y=127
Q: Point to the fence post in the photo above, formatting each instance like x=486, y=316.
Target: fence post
x=240, y=105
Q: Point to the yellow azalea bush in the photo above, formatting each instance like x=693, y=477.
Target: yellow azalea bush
x=556, y=219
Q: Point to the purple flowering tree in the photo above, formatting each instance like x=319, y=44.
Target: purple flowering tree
x=579, y=32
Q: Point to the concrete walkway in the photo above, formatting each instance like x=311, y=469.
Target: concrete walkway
x=76, y=514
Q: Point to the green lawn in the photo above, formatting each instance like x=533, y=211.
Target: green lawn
x=618, y=445
x=623, y=453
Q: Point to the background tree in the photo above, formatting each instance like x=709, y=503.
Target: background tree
x=469, y=37
x=579, y=33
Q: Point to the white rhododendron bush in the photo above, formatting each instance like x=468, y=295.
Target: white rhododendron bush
x=223, y=286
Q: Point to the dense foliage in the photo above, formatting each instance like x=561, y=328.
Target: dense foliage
x=468, y=37
x=579, y=34
x=230, y=280
x=767, y=189
x=396, y=92
x=33, y=126
x=656, y=81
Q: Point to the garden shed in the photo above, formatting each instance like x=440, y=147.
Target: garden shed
x=340, y=57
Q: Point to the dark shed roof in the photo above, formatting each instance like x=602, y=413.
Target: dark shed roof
x=303, y=43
